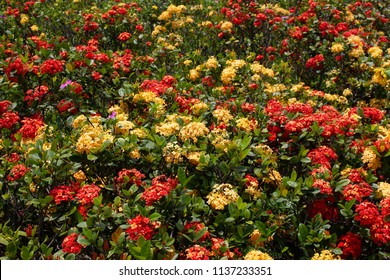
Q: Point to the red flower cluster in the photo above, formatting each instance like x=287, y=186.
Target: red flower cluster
x=141, y=225
x=351, y=245
x=326, y=207
x=15, y=69
x=17, y=172
x=374, y=114
x=52, y=66
x=30, y=127
x=87, y=193
x=159, y=87
x=380, y=231
x=64, y=193
x=366, y=213
x=128, y=177
x=315, y=62
x=66, y=106
x=7, y=118
x=70, y=244
x=197, y=252
x=124, y=36
x=322, y=155
x=35, y=95
x=323, y=185
x=357, y=191
x=161, y=186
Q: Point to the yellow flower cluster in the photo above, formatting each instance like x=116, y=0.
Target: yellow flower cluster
x=222, y=115
x=220, y=139
x=253, y=189
x=246, y=124
x=24, y=19
x=380, y=77
x=325, y=255
x=158, y=29
x=172, y=153
x=221, y=195
x=226, y=26
x=193, y=157
x=375, y=52
x=357, y=44
x=79, y=176
x=257, y=255
x=257, y=68
x=171, y=11
x=227, y=75
x=337, y=48
x=92, y=139
x=273, y=177
x=371, y=159
x=193, y=130
x=170, y=125
x=211, y=63
x=124, y=127
x=199, y=108
x=384, y=189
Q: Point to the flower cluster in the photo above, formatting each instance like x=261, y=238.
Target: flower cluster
x=142, y=226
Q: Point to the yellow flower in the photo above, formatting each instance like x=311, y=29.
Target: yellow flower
x=193, y=130
x=193, y=75
x=226, y=26
x=325, y=255
x=92, y=139
x=246, y=124
x=379, y=77
x=194, y=157
x=227, y=75
x=79, y=176
x=221, y=195
x=199, y=107
x=337, y=48
x=172, y=153
x=34, y=27
x=222, y=115
x=347, y=92
x=80, y=121
x=187, y=62
x=257, y=255
x=384, y=189
x=375, y=52
x=165, y=16
x=124, y=127
x=371, y=159
x=145, y=96
x=24, y=19
x=212, y=62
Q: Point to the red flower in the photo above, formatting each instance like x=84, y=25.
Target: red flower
x=357, y=191
x=325, y=207
x=30, y=127
x=385, y=206
x=96, y=75
x=315, y=62
x=63, y=193
x=380, y=231
x=366, y=213
x=37, y=95
x=323, y=185
x=87, y=194
x=70, y=244
x=124, y=36
x=17, y=172
x=351, y=245
x=52, y=66
x=129, y=177
x=141, y=225
x=322, y=155
x=66, y=106
x=161, y=186
x=197, y=252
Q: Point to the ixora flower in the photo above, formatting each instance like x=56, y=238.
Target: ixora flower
x=87, y=193
x=161, y=186
x=197, y=252
x=325, y=255
x=257, y=255
x=351, y=245
x=142, y=226
x=17, y=172
x=70, y=244
x=221, y=195
x=129, y=177
x=366, y=213
x=63, y=193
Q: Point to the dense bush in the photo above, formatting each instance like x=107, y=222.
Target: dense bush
x=194, y=129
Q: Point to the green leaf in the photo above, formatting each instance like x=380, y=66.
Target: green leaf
x=83, y=241
x=200, y=233
x=92, y=157
x=303, y=231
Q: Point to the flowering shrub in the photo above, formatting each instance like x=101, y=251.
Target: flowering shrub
x=230, y=129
